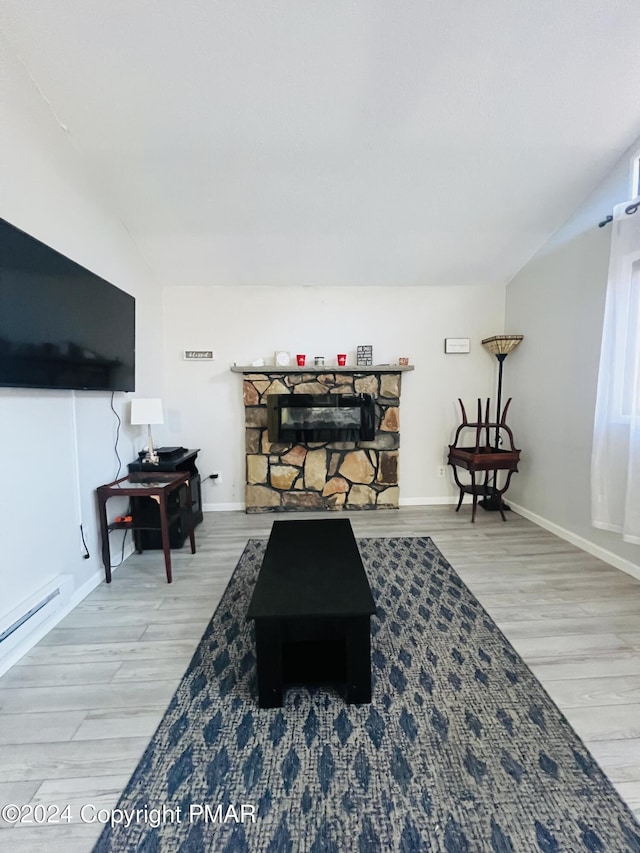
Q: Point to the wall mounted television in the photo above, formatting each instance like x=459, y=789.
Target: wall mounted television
x=61, y=326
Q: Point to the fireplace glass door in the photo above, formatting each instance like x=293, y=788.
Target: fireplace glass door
x=321, y=417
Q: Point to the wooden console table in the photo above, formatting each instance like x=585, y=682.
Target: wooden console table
x=484, y=458
x=144, y=484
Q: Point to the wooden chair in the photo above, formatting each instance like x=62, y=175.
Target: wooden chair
x=484, y=457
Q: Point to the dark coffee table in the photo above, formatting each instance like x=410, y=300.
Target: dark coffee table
x=311, y=605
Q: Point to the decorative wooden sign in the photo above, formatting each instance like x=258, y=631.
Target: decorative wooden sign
x=198, y=355
x=453, y=345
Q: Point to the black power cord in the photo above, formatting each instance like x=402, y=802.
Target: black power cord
x=115, y=447
x=86, y=554
x=124, y=539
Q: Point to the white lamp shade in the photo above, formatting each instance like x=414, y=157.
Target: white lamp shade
x=146, y=410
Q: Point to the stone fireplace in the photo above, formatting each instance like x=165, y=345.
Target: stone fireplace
x=293, y=475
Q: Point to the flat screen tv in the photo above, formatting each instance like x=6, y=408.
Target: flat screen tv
x=61, y=326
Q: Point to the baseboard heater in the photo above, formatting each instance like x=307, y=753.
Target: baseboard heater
x=39, y=608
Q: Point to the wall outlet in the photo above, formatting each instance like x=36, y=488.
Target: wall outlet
x=442, y=470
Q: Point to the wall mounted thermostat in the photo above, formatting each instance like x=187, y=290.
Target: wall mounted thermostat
x=198, y=355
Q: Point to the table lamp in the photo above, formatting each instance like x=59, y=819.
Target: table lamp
x=147, y=410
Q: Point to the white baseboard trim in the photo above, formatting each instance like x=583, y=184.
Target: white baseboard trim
x=228, y=507
x=43, y=629
x=447, y=499
x=579, y=541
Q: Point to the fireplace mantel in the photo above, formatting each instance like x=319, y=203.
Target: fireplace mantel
x=292, y=475
x=327, y=368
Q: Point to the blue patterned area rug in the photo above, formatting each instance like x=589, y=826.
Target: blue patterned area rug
x=461, y=749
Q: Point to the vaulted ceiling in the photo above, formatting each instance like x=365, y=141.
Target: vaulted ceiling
x=361, y=142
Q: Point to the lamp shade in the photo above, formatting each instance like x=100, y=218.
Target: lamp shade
x=502, y=344
x=146, y=410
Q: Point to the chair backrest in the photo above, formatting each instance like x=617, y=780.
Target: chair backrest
x=492, y=429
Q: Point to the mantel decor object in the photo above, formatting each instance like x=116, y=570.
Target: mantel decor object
x=281, y=358
x=364, y=355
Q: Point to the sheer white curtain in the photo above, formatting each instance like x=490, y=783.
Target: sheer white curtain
x=615, y=463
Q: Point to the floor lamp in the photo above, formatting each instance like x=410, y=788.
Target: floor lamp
x=500, y=346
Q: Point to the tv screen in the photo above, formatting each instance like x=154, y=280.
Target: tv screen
x=61, y=326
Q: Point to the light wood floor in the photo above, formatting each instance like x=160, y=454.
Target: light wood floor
x=77, y=712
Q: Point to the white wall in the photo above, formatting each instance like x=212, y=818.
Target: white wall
x=57, y=446
x=243, y=324
x=557, y=302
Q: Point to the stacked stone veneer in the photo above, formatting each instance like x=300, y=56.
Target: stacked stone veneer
x=289, y=476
